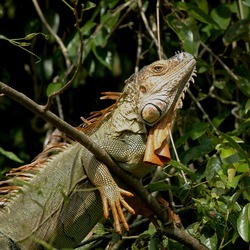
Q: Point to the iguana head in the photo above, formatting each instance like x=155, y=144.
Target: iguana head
x=149, y=95
x=161, y=86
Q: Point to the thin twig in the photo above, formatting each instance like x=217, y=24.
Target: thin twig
x=145, y=21
x=234, y=77
x=160, y=51
x=206, y=116
x=156, y=41
x=59, y=107
x=177, y=156
x=118, y=10
x=119, y=22
x=57, y=38
x=139, y=46
x=68, y=84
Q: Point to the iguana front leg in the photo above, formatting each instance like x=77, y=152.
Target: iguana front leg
x=111, y=194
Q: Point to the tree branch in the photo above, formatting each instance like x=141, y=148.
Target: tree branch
x=182, y=236
x=102, y=155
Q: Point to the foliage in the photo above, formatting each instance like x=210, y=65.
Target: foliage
x=209, y=179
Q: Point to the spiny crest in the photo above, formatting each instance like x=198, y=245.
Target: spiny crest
x=96, y=117
x=23, y=174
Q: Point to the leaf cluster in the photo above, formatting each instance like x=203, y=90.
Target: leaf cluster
x=93, y=46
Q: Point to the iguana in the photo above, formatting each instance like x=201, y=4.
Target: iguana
x=63, y=197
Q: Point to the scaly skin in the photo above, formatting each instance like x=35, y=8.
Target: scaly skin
x=72, y=190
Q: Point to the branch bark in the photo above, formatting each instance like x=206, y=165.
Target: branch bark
x=179, y=234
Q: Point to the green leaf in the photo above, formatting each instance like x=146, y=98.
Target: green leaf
x=109, y=20
x=241, y=152
x=246, y=3
x=199, y=130
x=243, y=128
x=222, y=15
x=217, y=120
x=232, y=203
x=243, y=168
x=180, y=166
x=154, y=243
x=197, y=151
x=53, y=18
x=184, y=33
x=89, y=5
x=53, y=87
x=103, y=56
x=196, y=131
x=197, y=13
x=213, y=167
x=142, y=237
x=32, y=35
x=247, y=106
x=203, y=5
x=10, y=155
x=74, y=44
x=244, y=85
x=110, y=3
x=158, y=186
x=226, y=152
x=201, y=204
x=151, y=229
x=243, y=223
x=231, y=174
x=234, y=181
x=202, y=66
x=210, y=243
x=239, y=30
x=48, y=68
x=99, y=39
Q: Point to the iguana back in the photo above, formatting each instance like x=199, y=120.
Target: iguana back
x=38, y=209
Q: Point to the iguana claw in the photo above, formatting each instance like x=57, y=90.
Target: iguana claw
x=114, y=200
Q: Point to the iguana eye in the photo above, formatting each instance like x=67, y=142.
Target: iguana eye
x=158, y=68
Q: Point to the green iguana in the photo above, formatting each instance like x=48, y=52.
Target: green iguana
x=63, y=197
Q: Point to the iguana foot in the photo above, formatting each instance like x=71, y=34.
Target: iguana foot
x=112, y=196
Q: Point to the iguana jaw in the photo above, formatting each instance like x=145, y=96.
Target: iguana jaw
x=157, y=150
x=162, y=91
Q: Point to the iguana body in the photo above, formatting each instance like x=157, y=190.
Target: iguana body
x=68, y=195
